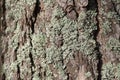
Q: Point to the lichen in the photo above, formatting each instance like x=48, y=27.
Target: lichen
x=106, y=27
x=48, y=3
x=110, y=71
x=88, y=74
x=114, y=45
x=77, y=36
x=87, y=43
x=38, y=42
x=15, y=11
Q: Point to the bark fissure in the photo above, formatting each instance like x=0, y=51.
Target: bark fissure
x=33, y=18
x=3, y=77
x=4, y=26
x=99, y=56
x=15, y=58
x=31, y=59
x=18, y=72
x=96, y=33
x=32, y=63
x=3, y=48
x=15, y=52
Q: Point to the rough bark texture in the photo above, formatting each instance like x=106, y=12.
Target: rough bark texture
x=59, y=39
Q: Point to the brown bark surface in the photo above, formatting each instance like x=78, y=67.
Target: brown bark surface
x=59, y=40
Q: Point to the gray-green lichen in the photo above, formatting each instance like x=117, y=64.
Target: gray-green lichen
x=110, y=71
x=15, y=11
x=114, y=45
x=38, y=42
x=110, y=17
x=76, y=35
x=88, y=74
x=87, y=43
x=60, y=24
x=106, y=27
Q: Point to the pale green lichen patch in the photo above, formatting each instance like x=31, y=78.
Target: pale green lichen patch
x=107, y=72
x=109, y=19
x=12, y=46
x=23, y=52
x=12, y=68
x=106, y=27
x=117, y=74
x=87, y=43
x=110, y=71
x=60, y=24
x=77, y=35
x=15, y=12
x=88, y=74
x=48, y=3
x=114, y=45
x=13, y=42
x=36, y=76
x=38, y=42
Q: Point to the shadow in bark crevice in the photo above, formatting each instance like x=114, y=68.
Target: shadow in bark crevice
x=3, y=9
x=32, y=63
x=3, y=26
x=3, y=77
x=33, y=18
x=93, y=5
x=18, y=72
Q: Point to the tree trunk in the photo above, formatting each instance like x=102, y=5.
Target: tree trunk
x=59, y=39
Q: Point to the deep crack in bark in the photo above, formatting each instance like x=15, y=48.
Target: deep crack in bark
x=33, y=18
x=15, y=58
x=4, y=26
x=18, y=72
x=95, y=33
x=31, y=59
x=32, y=63
x=3, y=77
x=99, y=55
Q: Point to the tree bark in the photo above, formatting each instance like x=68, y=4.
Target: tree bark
x=59, y=40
